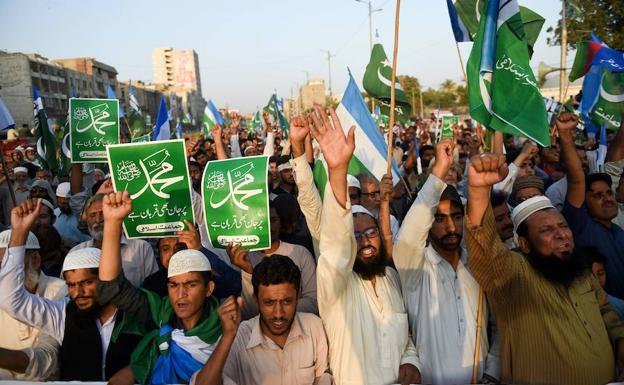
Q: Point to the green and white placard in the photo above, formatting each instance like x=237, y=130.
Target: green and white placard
x=448, y=121
x=93, y=124
x=157, y=178
x=236, y=202
x=142, y=138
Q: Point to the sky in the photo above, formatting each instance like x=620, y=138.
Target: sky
x=249, y=48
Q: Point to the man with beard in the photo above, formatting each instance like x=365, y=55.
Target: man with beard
x=370, y=198
x=280, y=345
x=67, y=220
x=96, y=340
x=554, y=321
x=137, y=255
x=359, y=297
x=589, y=208
x=20, y=184
x=441, y=295
x=502, y=216
x=246, y=260
x=26, y=353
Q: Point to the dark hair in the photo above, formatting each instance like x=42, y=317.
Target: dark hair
x=275, y=270
x=287, y=208
x=282, y=159
x=427, y=147
x=597, y=177
x=194, y=163
x=592, y=255
x=273, y=159
x=200, y=152
x=523, y=230
x=497, y=198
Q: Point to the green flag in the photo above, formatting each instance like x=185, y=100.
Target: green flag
x=44, y=135
x=377, y=83
x=609, y=105
x=502, y=90
x=65, y=158
x=470, y=12
x=273, y=109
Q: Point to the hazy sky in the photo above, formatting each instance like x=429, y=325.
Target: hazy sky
x=248, y=48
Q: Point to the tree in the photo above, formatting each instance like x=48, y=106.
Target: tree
x=605, y=18
x=411, y=87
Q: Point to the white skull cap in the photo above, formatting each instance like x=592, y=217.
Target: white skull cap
x=32, y=243
x=188, y=260
x=87, y=258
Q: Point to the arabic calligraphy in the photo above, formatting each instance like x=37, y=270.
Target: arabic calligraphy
x=154, y=167
x=236, y=180
x=98, y=116
x=606, y=116
x=94, y=142
x=519, y=72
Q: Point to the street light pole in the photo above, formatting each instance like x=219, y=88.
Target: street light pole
x=370, y=20
x=329, y=56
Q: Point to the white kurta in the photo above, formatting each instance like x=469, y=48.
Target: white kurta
x=366, y=327
x=441, y=302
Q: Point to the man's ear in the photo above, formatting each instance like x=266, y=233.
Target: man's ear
x=523, y=244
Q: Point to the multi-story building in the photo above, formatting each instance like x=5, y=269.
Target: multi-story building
x=102, y=75
x=148, y=98
x=312, y=92
x=19, y=73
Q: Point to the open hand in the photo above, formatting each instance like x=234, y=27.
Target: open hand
x=337, y=148
x=116, y=206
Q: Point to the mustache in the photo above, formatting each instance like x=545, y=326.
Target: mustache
x=278, y=319
x=447, y=236
x=368, y=247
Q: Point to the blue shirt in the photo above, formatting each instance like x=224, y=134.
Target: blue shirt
x=608, y=241
x=67, y=226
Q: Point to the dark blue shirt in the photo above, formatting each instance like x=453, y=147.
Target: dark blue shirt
x=608, y=241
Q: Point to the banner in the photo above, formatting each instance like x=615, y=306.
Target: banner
x=236, y=202
x=93, y=124
x=157, y=178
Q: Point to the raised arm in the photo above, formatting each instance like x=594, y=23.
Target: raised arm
x=412, y=238
x=217, y=136
x=566, y=124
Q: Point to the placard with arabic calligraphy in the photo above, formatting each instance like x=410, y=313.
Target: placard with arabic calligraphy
x=157, y=178
x=236, y=202
x=448, y=121
x=93, y=124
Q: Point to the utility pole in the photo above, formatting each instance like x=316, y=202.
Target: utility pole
x=307, y=76
x=370, y=20
x=564, y=51
x=329, y=56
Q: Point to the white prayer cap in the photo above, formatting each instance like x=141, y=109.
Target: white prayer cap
x=63, y=189
x=284, y=166
x=97, y=170
x=353, y=181
x=188, y=260
x=30, y=148
x=32, y=243
x=20, y=169
x=529, y=207
x=357, y=209
x=19, y=148
x=87, y=258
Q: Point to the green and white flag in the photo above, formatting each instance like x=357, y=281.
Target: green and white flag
x=609, y=103
x=273, y=109
x=236, y=202
x=156, y=176
x=378, y=81
x=502, y=90
x=143, y=138
x=136, y=119
x=93, y=124
x=470, y=11
x=44, y=135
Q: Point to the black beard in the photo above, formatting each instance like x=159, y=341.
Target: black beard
x=367, y=271
x=65, y=210
x=563, y=272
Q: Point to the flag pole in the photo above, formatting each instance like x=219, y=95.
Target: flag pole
x=475, y=365
x=461, y=62
x=6, y=175
x=393, y=85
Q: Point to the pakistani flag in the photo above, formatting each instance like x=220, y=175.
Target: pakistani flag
x=603, y=99
x=502, y=90
x=65, y=160
x=211, y=117
x=136, y=120
x=273, y=108
x=468, y=15
x=44, y=135
x=371, y=149
x=377, y=83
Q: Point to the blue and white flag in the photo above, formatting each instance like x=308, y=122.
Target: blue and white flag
x=602, y=148
x=112, y=95
x=179, y=129
x=459, y=29
x=162, y=130
x=6, y=120
x=212, y=116
x=134, y=102
x=371, y=150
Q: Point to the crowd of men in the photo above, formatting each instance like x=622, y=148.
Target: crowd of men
x=498, y=262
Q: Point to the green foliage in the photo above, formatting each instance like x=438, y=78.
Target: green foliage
x=605, y=18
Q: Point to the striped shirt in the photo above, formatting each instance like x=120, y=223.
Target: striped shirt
x=549, y=334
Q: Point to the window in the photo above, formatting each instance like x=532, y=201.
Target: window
x=34, y=66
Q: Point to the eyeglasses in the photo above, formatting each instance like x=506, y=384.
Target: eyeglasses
x=372, y=194
x=371, y=232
